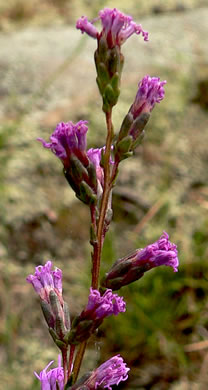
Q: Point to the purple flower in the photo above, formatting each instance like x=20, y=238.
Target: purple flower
x=116, y=27
x=45, y=280
x=67, y=138
x=99, y=307
x=132, y=267
x=161, y=252
x=150, y=91
x=51, y=378
x=110, y=373
x=48, y=284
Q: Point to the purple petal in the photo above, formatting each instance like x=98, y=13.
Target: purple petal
x=85, y=26
x=110, y=373
x=116, y=27
x=67, y=138
x=161, y=252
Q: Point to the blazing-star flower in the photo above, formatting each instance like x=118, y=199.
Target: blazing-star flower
x=161, y=252
x=131, y=133
x=133, y=266
x=48, y=285
x=67, y=138
x=116, y=27
x=99, y=307
x=68, y=143
x=150, y=91
x=51, y=378
x=110, y=373
x=46, y=280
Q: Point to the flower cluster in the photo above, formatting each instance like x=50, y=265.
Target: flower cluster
x=133, y=266
x=110, y=373
x=48, y=285
x=68, y=143
x=67, y=139
x=116, y=27
x=150, y=91
x=46, y=280
x=49, y=380
x=98, y=307
x=161, y=252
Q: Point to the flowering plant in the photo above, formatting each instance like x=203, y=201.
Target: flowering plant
x=92, y=173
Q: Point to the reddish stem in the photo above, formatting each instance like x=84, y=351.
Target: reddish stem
x=71, y=356
x=64, y=361
x=104, y=204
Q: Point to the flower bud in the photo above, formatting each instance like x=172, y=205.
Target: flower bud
x=133, y=266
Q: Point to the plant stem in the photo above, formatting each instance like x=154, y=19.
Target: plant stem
x=64, y=361
x=104, y=203
x=78, y=360
x=71, y=355
x=98, y=227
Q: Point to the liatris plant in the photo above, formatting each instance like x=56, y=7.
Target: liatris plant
x=92, y=175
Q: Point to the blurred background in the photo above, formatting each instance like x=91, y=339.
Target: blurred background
x=47, y=75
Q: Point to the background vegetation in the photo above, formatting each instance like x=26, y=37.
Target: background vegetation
x=47, y=76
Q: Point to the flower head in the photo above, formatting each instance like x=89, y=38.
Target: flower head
x=116, y=27
x=150, y=91
x=67, y=138
x=99, y=307
x=133, y=266
x=45, y=280
x=51, y=378
x=161, y=252
x=48, y=285
x=110, y=373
